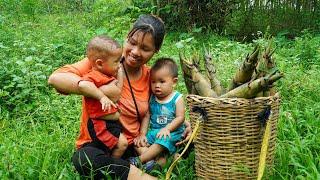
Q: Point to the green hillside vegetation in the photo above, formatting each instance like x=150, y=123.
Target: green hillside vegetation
x=39, y=126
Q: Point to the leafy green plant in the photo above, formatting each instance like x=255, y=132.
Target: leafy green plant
x=38, y=126
x=307, y=50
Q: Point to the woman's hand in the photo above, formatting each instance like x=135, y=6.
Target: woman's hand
x=164, y=132
x=186, y=133
x=141, y=141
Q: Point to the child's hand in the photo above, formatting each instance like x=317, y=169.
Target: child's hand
x=164, y=132
x=140, y=141
x=120, y=77
x=106, y=103
x=186, y=134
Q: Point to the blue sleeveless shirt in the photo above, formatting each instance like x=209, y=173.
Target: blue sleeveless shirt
x=163, y=113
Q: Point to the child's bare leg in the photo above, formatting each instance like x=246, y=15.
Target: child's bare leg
x=161, y=160
x=120, y=147
x=140, y=150
x=153, y=151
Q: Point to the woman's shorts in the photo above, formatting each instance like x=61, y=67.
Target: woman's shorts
x=93, y=162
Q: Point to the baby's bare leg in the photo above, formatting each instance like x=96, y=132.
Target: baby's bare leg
x=152, y=152
x=120, y=147
x=140, y=150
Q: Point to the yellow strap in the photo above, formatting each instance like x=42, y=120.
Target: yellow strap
x=193, y=135
x=264, y=149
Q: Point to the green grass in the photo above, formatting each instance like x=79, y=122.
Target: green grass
x=39, y=127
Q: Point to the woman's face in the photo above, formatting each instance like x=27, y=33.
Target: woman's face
x=139, y=49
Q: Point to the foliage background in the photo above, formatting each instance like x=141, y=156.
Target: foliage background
x=239, y=18
x=39, y=126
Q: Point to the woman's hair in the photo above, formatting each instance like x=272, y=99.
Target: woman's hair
x=149, y=24
x=99, y=46
x=167, y=63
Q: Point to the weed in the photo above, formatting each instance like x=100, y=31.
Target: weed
x=39, y=127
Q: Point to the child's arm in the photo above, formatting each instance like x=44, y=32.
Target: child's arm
x=120, y=78
x=113, y=89
x=141, y=140
x=89, y=89
x=176, y=122
x=179, y=116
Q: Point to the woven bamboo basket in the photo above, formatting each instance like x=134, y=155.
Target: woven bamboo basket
x=228, y=143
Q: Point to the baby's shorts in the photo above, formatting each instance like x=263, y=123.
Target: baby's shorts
x=168, y=143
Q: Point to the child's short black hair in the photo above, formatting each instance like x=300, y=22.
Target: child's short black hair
x=99, y=46
x=168, y=63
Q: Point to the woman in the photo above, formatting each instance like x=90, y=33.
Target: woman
x=143, y=41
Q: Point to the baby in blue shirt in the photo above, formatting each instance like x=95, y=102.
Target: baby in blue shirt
x=165, y=116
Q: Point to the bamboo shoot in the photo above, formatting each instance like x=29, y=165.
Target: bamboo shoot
x=251, y=89
x=246, y=70
x=211, y=73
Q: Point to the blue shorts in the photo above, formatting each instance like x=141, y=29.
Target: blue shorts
x=168, y=143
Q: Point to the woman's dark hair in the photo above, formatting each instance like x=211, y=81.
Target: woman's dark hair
x=150, y=24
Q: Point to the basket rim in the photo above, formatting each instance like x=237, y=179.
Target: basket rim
x=193, y=96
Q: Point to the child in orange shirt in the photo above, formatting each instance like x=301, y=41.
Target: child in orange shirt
x=103, y=126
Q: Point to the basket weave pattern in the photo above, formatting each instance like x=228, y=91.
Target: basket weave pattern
x=228, y=143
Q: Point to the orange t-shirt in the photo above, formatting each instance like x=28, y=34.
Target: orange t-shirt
x=128, y=115
x=94, y=108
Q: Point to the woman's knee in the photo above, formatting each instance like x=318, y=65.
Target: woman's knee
x=93, y=162
x=83, y=162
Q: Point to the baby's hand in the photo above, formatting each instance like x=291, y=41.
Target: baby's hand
x=106, y=103
x=186, y=134
x=164, y=132
x=140, y=141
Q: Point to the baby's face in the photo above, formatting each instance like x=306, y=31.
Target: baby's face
x=162, y=83
x=111, y=63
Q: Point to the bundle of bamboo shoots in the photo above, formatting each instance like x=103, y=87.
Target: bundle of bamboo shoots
x=254, y=78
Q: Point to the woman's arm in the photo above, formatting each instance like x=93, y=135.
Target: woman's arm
x=67, y=83
x=141, y=140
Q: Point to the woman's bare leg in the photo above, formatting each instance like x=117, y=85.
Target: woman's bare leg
x=135, y=173
x=120, y=147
